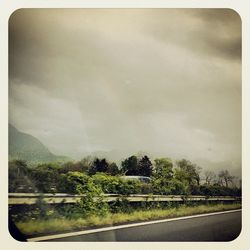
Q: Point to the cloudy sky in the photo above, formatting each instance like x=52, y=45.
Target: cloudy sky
x=163, y=81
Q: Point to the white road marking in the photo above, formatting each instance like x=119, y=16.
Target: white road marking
x=98, y=230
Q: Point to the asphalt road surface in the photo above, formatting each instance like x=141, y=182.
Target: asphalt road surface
x=222, y=227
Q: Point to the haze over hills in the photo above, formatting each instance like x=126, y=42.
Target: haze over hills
x=172, y=89
x=29, y=148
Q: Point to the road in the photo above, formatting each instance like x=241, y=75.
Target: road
x=220, y=227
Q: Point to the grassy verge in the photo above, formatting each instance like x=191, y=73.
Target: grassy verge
x=32, y=227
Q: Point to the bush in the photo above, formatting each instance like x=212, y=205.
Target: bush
x=92, y=203
x=45, y=177
x=108, y=184
x=217, y=190
x=77, y=183
x=116, y=185
x=19, y=177
x=146, y=188
x=169, y=187
x=121, y=205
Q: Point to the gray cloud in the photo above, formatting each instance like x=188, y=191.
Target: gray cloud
x=215, y=32
x=166, y=81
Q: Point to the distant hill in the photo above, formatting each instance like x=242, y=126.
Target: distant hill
x=27, y=147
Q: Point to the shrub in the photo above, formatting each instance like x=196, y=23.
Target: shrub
x=108, y=184
x=77, y=183
x=121, y=205
x=92, y=202
x=45, y=177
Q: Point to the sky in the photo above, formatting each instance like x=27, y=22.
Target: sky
x=121, y=81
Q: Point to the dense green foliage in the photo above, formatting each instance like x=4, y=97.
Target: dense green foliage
x=98, y=176
x=93, y=177
x=19, y=177
x=130, y=166
x=163, y=179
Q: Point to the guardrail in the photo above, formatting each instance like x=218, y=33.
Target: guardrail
x=31, y=198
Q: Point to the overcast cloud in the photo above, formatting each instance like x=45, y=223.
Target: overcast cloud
x=164, y=81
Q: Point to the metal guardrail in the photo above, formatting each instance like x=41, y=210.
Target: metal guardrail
x=32, y=198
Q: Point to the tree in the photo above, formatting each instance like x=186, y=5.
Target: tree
x=225, y=178
x=113, y=169
x=46, y=177
x=188, y=171
x=145, y=166
x=189, y=174
x=130, y=166
x=209, y=177
x=99, y=166
x=102, y=166
x=163, y=168
x=87, y=162
x=19, y=166
x=162, y=177
x=73, y=167
x=19, y=177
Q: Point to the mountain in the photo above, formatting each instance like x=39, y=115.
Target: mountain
x=29, y=148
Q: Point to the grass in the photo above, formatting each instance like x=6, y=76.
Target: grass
x=33, y=227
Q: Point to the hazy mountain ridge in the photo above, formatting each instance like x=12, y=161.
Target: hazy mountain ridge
x=29, y=148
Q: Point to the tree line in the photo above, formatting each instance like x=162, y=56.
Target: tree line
x=167, y=177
